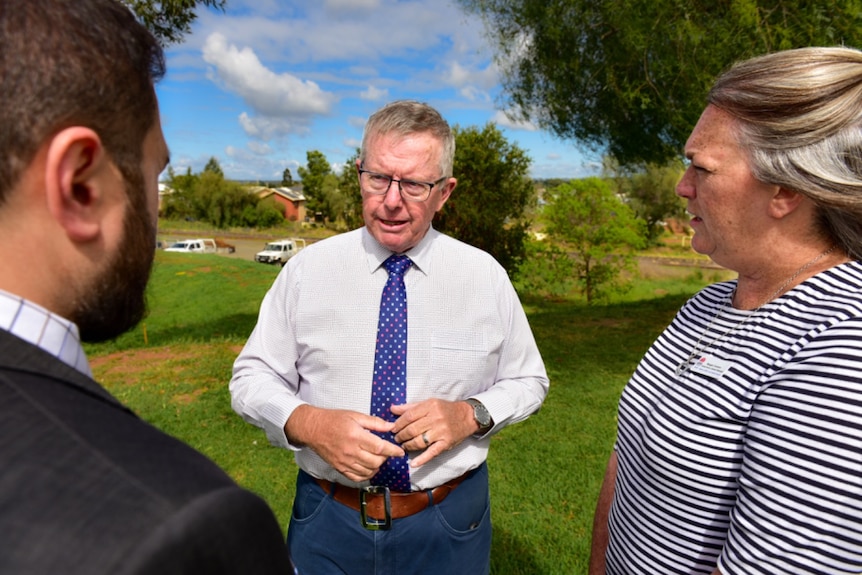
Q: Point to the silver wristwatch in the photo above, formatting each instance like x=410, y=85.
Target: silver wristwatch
x=480, y=414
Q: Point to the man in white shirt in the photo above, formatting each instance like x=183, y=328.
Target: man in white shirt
x=471, y=368
x=87, y=487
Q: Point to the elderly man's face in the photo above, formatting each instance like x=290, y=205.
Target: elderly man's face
x=396, y=223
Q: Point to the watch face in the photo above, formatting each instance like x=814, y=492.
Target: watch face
x=481, y=414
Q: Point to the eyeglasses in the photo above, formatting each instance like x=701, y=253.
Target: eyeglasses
x=378, y=184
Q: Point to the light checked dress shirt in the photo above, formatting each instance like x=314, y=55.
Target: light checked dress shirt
x=44, y=329
x=314, y=343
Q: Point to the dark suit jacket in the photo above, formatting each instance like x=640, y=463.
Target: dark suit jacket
x=86, y=487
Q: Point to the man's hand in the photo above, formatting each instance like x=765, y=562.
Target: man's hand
x=342, y=439
x=444, y=424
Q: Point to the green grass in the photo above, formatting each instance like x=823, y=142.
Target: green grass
x=173, y=370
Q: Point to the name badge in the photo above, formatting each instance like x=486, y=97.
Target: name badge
x=710, y=366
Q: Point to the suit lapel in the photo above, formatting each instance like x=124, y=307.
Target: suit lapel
x=19, y=355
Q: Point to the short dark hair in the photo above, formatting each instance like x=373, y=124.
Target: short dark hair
x=75, y=63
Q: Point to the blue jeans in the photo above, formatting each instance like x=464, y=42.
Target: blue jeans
x=327, y=538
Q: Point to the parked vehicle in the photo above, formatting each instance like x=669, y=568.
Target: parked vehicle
x=198, y=246
x=279, y=252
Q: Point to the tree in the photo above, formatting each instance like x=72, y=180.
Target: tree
x=488, y=208
x=214, y=167
x=169, y=20
x=286, y=178
x=313, y=174
x=209, y=197
x=650, y=191
x=630, y=77
x=598, y=230
x=547, y=270
x=348, y=187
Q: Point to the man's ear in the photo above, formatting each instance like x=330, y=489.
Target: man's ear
x=446, y=190
x=76, y=167
x=785, y=202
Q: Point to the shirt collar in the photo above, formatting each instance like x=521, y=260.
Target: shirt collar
x=44, y=329
x=420, y=254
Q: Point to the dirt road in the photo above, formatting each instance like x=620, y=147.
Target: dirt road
x=245, y=247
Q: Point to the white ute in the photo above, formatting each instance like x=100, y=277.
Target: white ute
x=199, y=246
x=279, y=252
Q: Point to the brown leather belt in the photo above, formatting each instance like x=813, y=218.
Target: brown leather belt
x=402, y=504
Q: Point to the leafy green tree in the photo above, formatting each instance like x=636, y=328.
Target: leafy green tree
x=490, y=205
x=332, y=203
x=169, y=20
x=547, y=271
x=598, y=230
x=209, y=197
x=313, y=174
x=348, y=187
x=286, y=178
x=631, y=76
x=267, y=214
x=214, y=167
x=650, y=191
x=178, y=204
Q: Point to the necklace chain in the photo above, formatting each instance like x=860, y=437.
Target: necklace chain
x=685, y=365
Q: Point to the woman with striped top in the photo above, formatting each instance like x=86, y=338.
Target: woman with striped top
x=739, y=447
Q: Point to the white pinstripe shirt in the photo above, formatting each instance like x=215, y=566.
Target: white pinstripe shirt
x=314, y=342
x=758, y=468
x=50, y=332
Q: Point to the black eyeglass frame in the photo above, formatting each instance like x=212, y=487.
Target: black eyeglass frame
x=431, y=185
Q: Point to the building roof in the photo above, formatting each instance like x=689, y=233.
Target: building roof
x=287, y=193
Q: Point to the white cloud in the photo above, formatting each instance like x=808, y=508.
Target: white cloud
x=266, y=128
x=353, y=143
x=502, y=118
x=357, y=122
x=374, y=94
x=473, y=94
x=350, y=5
x=458, y=75
x=282, y=103
x=259, y=149
x=241, y=72
x=244, y=164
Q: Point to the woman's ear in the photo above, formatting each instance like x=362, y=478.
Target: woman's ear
x=785, y=202
x=78, y=173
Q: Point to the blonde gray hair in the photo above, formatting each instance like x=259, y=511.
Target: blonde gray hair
x=406, y=117
x=800, y=119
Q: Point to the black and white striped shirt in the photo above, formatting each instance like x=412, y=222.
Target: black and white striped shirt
x=751, y=459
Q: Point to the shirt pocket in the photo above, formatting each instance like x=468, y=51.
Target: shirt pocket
x=460, y=362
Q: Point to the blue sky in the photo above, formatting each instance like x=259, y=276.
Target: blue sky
x=260, y=84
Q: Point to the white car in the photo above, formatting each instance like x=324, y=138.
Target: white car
x=279, y=252
x=198, y=246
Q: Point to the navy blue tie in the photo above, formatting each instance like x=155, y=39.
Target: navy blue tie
x=389, y=385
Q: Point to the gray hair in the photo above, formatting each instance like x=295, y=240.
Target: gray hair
x=799, y=117
x=406, y=117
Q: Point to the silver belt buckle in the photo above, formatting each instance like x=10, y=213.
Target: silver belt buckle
x=369, y=522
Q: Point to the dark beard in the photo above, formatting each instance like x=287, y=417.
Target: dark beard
x=116, y=301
